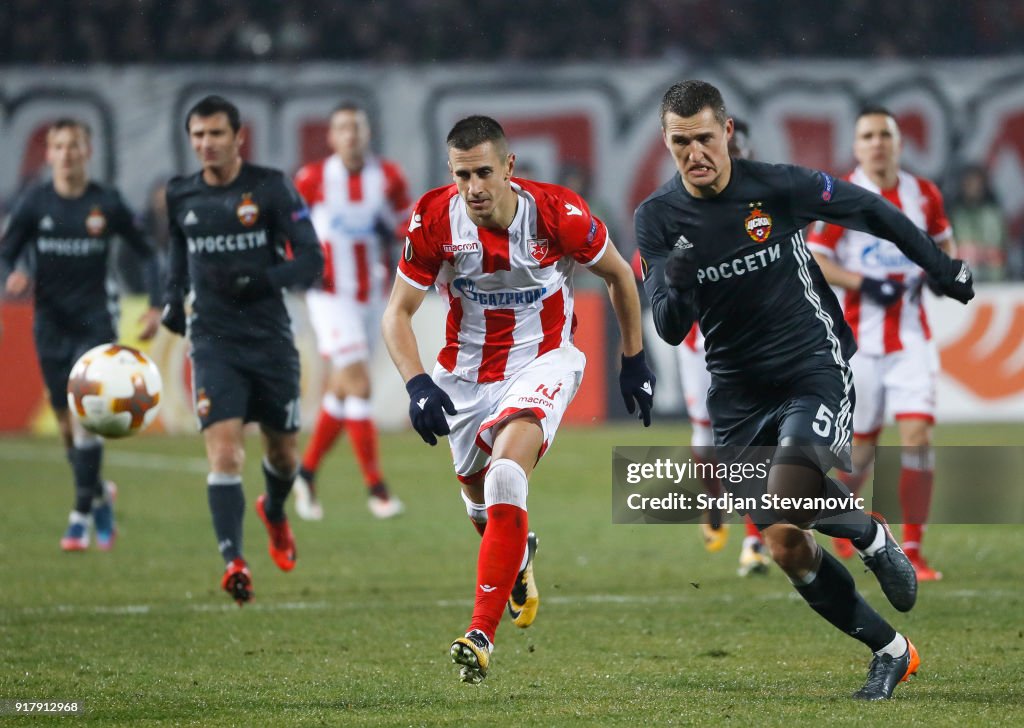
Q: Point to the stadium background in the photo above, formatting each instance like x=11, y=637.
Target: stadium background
x=593, y=125
x=637, y=622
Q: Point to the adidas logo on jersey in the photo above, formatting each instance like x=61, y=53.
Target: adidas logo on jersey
x=190, y=218
x=46, y=223
x=682, y=243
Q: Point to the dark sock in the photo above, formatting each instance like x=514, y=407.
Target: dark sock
x=308, y=475
x=833, y=595
x=855, y=525
x=380, y=490
x=278, y=488
x=85, y=464
x=227, y=506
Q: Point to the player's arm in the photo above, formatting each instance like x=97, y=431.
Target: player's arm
x=396, y=327
x=823, y=241
x=177, y=283
x=818, y=196
x=618, y=276
x=636, y=380
x=293, y=223
x=125, y=225
x=428, y=403
x=21, y=229
x=673, y=309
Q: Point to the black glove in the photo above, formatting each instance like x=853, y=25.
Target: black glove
x=173, y=317
x=933, y=286
x=681, y=268
x=250, y=286
x=427, y=405
x=636, y=380
x=959, y=283
x=882, y=290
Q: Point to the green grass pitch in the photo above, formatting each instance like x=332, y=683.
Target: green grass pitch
x=637, y=624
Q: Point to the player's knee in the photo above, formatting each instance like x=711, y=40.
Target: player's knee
x=282, y=456
x=792, y=480
x=506, y=483
x=226, y=457
x=916, y=436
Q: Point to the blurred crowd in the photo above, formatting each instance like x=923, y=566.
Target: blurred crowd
x=153, y=31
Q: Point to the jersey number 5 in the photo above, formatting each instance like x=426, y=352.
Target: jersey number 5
x=822, y=424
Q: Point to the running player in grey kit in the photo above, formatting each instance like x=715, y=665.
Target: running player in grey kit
x=229, y=224
x=722, y=242
x=68, y=224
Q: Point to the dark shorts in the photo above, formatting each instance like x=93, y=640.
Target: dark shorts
x=811, y=410
x=260, y=384
x=58, y=351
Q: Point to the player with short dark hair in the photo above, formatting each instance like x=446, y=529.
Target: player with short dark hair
x=501, y=251
x=68, y=225
x=359, y=205
x=722, y=243
x=231, y=225
x=896, y=364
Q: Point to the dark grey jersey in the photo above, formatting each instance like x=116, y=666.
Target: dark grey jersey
x=70, y=241
x=760, y=299
x=248, y=225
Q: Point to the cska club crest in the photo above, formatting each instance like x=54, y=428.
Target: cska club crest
x=95, y=222
x=248, y=211
x=538, y=248
x=758, y=223
x=202, y=403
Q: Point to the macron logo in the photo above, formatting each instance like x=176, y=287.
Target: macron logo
x=487, y=588
x=191, y=219
x=415, y=222
x=964, y=273
x=423, y=402
x=46, y=223
x=573, y=210
x=646, y=386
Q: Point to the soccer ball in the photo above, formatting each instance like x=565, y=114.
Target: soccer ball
x=114, y=390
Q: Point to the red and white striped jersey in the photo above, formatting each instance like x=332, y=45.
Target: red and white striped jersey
x=356, y=215
x=509, y=292
x=878, y=329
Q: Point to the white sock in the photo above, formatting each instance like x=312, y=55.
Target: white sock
x=877, y=543
x=896, y=648
x=751, y=542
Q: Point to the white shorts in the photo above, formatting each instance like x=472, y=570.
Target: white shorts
x=902, y=382
x=545, y=388
x=693, y=373
x=347, y=331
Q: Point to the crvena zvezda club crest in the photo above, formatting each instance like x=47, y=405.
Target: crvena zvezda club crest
x=758, y=224
x=247, y=210
x=538, y=249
